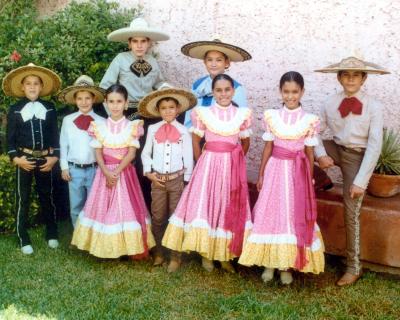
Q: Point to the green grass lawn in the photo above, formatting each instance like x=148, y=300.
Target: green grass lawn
x=68, y=284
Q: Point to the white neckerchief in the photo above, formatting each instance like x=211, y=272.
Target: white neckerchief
x=33, y=108
x=204, y=88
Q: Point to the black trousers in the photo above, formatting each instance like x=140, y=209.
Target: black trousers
x=44, y=188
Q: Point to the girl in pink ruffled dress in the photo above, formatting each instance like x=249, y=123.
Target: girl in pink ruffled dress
x=213, y=213
x=115, y=220
x=285, y=234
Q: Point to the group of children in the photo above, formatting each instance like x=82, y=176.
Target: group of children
x=204, y=207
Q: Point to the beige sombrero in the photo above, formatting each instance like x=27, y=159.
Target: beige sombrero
x=148, y=105
x=83, y=83
x=138, y=28
x=199, y=49
x=12, y=82
x=354, y=64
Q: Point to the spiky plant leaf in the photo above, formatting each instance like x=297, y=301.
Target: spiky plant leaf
x=389, y=159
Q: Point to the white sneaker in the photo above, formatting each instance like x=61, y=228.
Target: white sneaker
x=27, y=249
x=207, y=264
x=268, y=274
x=53, y=243
x=286, y=277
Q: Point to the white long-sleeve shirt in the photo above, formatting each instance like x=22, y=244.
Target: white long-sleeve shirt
x=168, y=157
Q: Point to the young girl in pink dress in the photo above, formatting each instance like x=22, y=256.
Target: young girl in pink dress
x=285, y=234
x=213, y=213
x=114, y=221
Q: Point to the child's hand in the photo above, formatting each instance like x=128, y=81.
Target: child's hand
x=111, y=178
x=325, y=162
x=65, y=175
x=153, y=177
x=356, y=191
x=50, y=162
x=24, y=163
x=259, y=183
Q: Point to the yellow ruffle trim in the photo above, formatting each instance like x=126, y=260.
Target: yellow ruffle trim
x=198, y=240
x=232, y=126
x=126, y=143
x=281, y=256
x=293, y=133
x=111, y=245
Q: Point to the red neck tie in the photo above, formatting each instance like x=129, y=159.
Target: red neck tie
x=167, y=132
x=352, y=105
x=83, y=121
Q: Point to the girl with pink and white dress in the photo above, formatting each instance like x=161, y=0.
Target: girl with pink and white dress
x=115, y=221
x=285, y=234
x=213, y=213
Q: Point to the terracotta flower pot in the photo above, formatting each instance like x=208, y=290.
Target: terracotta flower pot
x=383, y=185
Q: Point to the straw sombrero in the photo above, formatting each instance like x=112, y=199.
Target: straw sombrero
x=148, y=105
x=83, y=83
x=354, y=64
x=138, y=28
x=199, y=49
x=12, y=82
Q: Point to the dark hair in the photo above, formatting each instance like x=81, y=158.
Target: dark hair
x=222, y=76
x=166, y=99
x=292, y=76
x=83, y=90
x=118, y=88
x=341, y=72
x=225, y=56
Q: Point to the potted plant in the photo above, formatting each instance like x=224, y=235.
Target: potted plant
x=385, y=181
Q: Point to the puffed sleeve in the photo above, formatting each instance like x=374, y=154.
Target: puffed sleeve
x=198, y=127
x=94, y=134
x=311, y=139
x=245, y=130
x=136, y=132
x=267, y=135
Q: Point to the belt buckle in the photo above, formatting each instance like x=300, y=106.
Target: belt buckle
x=37, y=153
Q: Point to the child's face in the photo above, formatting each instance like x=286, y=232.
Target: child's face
x=216, y=63
x=116, y=104
x=291, y=94
x=84, y=101
x=351, y=81
x=223, y=92
x=139, y=46
x=169, y=110
x=32, y=86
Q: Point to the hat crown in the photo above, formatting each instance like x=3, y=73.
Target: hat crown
x=84, y=81
x=139, y=23
x=352, y=62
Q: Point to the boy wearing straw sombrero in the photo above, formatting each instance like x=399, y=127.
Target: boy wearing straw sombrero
x=217, y=56
x=78, y=159
x=167, y=160
x=355, y=120
x=33, y=145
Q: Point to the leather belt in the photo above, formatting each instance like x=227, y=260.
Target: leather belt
x=35, y=153
x=83, y=166
x=164, y=177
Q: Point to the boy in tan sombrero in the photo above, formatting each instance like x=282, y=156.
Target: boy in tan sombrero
x=33, y=145
x=217, y=56
x=78, y=159
x=355, y=120
x=167, y=160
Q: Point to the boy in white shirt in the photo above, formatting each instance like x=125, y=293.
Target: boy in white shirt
x=78, y=160
x=167, y=160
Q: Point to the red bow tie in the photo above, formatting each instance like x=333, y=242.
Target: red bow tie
x=83, y=121
x=167, y=132
x=350, y=105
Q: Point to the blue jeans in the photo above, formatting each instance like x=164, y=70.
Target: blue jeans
x=79, y=187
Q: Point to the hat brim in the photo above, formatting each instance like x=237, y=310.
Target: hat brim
x=67, y=95
x=148, y=105
x=366, y=70
x=354, y=64
x=199, y=49
x=123, y=35
x=12, y=82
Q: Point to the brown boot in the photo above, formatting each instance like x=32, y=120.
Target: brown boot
x=348, y=279
x=174, y=265
x=322, y=180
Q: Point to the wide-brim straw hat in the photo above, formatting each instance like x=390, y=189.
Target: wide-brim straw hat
x=12, y=82
x=199, y=49
x=138, y=28
x=354, y=64
x=83, y=83
x=148, y=105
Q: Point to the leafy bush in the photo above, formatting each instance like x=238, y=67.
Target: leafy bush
x=389, y=159
x=7, y=197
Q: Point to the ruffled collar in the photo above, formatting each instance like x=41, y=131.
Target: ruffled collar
x=33, y=109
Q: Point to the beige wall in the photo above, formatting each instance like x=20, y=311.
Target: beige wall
x=283, y=35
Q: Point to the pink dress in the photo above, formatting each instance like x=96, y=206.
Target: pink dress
x=115, y=221
x=272, y=241
x=198, y=223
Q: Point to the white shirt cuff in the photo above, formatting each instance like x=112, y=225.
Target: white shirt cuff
x=64, y=164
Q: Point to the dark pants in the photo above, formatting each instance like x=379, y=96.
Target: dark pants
x=44, y=188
